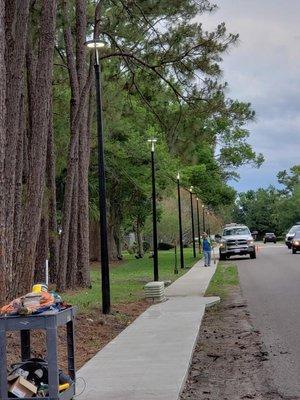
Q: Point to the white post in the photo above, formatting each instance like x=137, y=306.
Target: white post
x=47, y=272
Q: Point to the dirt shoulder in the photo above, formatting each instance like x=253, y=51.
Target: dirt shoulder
x=93, y=331
x=229, y=359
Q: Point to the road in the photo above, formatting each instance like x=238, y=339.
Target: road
x=271, y=287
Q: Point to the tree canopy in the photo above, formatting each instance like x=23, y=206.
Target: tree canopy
x=162, y=77
x=272, y=209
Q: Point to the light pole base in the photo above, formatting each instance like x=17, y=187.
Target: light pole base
x=155, y=291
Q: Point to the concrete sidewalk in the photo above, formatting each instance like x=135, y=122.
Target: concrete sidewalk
x=150, y=359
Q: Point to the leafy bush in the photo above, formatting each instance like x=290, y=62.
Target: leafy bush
x=146, y=246
x=165, y=246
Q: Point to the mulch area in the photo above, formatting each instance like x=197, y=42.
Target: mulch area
x=93, y=332
x=229, y=359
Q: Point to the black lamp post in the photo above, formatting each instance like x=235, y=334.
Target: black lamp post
x=198, y=224
x=192, y=218
x=180, y=223
x=208, y=223
x=154, y=216
x=96, y=44
x=203, y=218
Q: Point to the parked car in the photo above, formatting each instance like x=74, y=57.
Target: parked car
x=295, y=242
x=270, y=237
x=236, y=240
x=291, y=233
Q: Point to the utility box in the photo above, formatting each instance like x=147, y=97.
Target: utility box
x=48, y=321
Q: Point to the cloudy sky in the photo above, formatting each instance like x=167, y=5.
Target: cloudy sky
x=265, y=70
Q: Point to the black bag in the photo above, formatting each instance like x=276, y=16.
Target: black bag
x=38, y=371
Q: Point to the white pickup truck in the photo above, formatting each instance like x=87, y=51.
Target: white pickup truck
x=236, y=240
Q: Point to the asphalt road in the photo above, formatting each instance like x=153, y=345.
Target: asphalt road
x=271, y=287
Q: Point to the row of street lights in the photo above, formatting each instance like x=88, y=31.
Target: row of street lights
x=96, y=44
x=192, y=219
x=154, y=217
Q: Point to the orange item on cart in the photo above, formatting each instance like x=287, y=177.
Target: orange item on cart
x=28, y=304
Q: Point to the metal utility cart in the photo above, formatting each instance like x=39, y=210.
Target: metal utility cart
x=48, y=321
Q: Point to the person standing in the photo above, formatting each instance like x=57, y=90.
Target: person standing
x=206, y=247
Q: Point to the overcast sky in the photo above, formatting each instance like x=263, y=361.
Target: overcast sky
x=264, y=69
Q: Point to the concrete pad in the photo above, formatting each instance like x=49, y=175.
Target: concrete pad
x=150, y=359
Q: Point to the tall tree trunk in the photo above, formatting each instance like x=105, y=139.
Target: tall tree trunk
x=112, y=248
x=42, y=247
x=38, y=145
x=113, y=223
x=83, y=273
x=80, y=83
x=19, y=182
x=139, y=238
x=66, y=215
x=16, y=18
x=67, y=204
x=119, y=241
x=51, y=187
x=72, y=266
x=94, y=233
x=2, y=155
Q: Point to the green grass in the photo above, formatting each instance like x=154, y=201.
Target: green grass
x=225, y=277
x=128, y=279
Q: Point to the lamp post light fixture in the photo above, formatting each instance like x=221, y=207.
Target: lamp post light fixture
x=154, y=214
x=180, y=222
x=95, y=45
x=203, y=217
x=198, y=224
x=192, y=218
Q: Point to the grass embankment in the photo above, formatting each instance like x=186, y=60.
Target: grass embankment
x=128, y=279
x=226, y=276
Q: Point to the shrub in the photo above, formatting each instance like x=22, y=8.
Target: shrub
x=165, y=246
x=146, y=246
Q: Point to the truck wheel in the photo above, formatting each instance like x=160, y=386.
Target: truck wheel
x=253, y=255
x=294, y=251
x=222, y=257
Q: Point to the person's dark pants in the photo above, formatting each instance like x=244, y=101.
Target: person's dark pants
x=207, y=258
